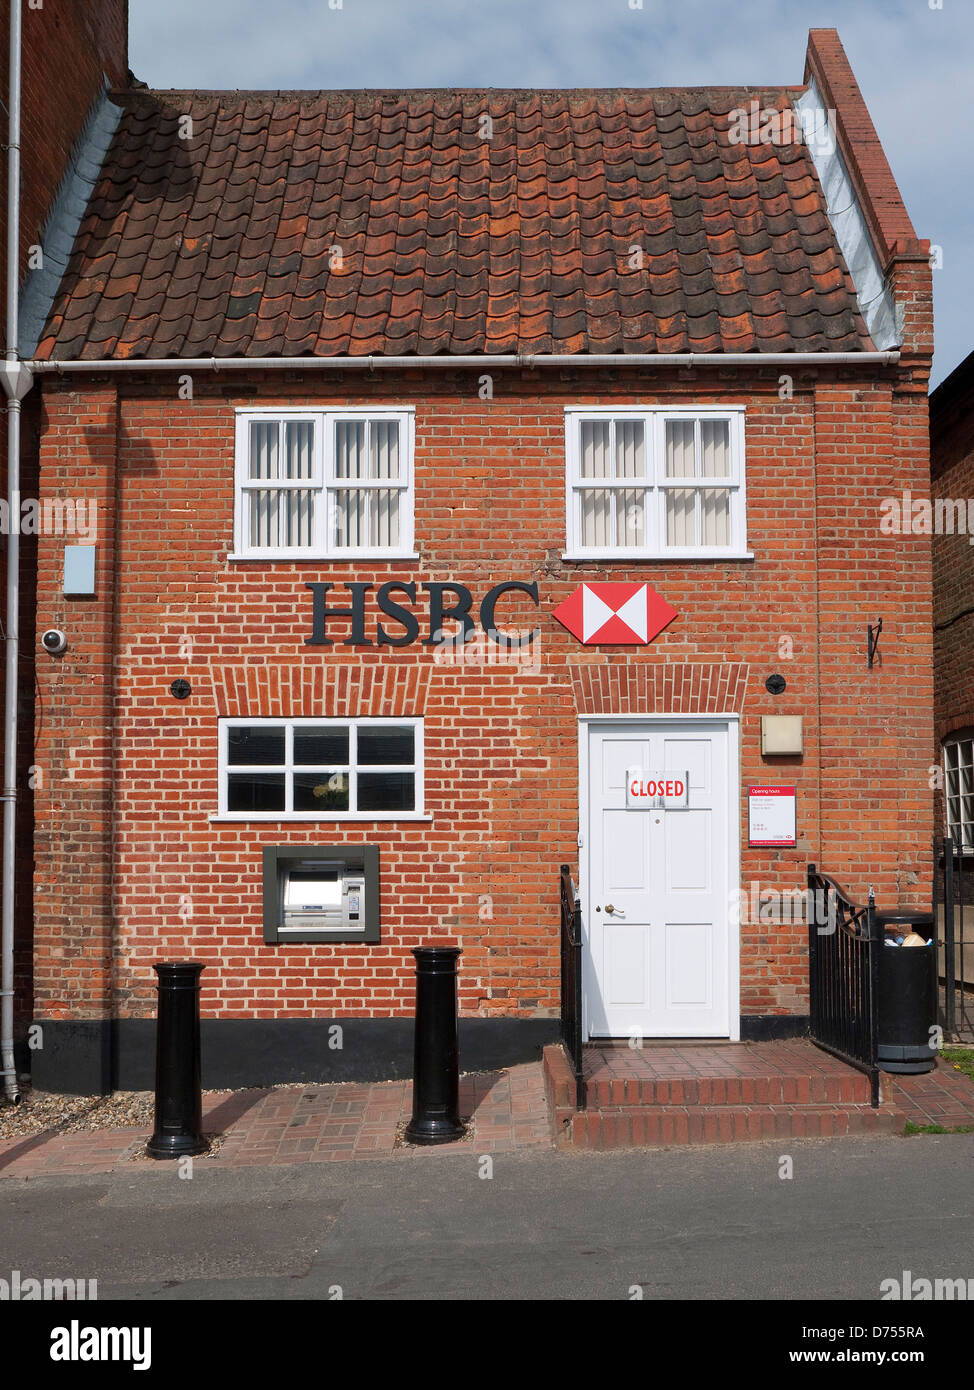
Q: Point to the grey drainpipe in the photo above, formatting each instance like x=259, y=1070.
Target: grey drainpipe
x=16, y=384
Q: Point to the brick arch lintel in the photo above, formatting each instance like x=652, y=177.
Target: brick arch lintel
x=319, y=690
x=659, y=688
x=956, y=722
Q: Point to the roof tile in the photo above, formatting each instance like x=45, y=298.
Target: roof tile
x=457, y=235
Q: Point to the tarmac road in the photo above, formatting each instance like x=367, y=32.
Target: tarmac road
x=700, y=1223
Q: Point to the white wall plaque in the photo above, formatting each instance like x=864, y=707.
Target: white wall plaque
x=771, y=816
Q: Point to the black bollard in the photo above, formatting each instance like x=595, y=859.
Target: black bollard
x=179, y=1100
x=436, y=1060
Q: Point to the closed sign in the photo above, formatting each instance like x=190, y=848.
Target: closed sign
x=647, y=790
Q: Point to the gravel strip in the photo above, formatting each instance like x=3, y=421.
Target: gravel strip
x=40, y=1113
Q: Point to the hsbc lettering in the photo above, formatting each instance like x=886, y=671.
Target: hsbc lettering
x=448, y=603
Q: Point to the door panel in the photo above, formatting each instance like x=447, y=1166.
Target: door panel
x=657, y=964
x=618, y=755
x=688, y=854
x=624, y=857
x=689, y=965
x=625, y=964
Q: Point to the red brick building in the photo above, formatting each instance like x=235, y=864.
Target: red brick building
x=485, y=363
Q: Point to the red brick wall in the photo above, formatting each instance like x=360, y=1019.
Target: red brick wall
x=131, y=870
x=69, y=48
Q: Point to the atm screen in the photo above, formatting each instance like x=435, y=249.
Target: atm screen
x=313, y=888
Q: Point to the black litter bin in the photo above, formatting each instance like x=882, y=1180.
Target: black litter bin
x=907, y=994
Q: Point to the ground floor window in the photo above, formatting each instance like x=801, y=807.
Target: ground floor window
x=321, y=769
x=959, y=789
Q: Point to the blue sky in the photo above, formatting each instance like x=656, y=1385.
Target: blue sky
x=913, y=62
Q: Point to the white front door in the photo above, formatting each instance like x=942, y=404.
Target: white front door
x=656, y=905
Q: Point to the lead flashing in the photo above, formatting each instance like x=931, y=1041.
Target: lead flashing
x=64, y=221
x=845, y=213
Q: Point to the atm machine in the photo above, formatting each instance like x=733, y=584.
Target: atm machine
x=321, y=894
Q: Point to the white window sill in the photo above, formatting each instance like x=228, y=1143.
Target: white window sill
x=635, y=557
x=280, y=817
x=304, y=557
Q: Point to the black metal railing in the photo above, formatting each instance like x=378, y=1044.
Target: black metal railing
x=843, y=971
x=952, y=886
x=571, y=981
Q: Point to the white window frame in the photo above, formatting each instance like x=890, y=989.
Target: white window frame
x=324, y=482
x=961, y=845
x=654, y=420
x=352, y=768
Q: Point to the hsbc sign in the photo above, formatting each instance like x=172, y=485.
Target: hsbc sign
x=597, y=614
x=630, y=614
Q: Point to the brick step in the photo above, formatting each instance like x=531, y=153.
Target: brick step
x=842, y=1086
x=660, y=1126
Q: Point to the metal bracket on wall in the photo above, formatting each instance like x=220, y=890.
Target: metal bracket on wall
x=873, y=639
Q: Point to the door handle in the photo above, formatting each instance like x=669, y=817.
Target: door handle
x=617, y=910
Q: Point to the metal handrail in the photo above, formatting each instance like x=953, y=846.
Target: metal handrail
x=843, y=969
x=571, y=981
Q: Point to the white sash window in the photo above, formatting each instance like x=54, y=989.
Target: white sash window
x=655, y=483
x=324, y=484
x=959, y=790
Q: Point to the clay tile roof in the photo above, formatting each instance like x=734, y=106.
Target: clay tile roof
x=330, y=223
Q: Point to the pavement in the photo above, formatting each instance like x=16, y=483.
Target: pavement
x=506, y=1112
x=944, y=1096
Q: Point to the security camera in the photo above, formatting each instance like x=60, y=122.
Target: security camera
x=54, y=641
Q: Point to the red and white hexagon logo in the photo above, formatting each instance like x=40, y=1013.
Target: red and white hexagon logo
x=621, y=613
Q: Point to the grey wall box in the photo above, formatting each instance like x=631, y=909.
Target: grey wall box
x=321, y=893
x=79, y=571
x=781, y=733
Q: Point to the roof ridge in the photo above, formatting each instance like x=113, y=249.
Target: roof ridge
x=135, y=93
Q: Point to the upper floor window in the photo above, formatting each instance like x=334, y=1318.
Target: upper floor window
x=324, y=484
x=655, y=483
x=959, y=790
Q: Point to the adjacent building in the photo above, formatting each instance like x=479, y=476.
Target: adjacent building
x=73, y=52
x=952, y=527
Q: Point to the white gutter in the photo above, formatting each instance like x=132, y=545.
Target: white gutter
x=16, y=381
x=478, y=360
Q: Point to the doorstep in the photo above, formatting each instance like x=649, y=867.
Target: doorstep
x=709, y=1093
